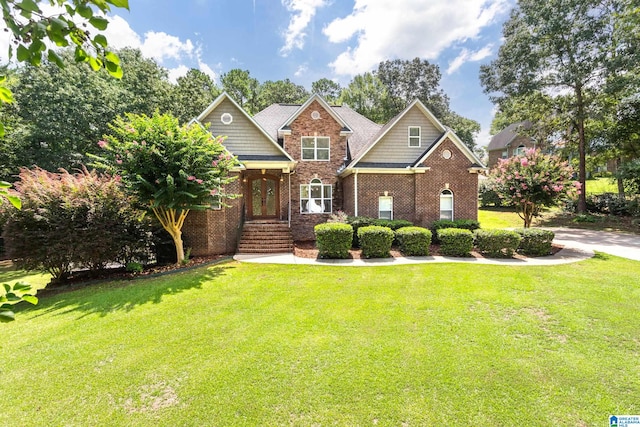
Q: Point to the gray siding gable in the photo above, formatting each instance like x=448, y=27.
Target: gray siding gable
x=393, y=147
x=244, y=138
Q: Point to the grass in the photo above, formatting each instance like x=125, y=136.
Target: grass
x=499, y=218
x=246, y=344
x=601, y=185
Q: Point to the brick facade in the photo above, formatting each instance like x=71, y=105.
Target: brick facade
x=495, y=155
x=415, y=193
x=416, y=197
x=304, y=125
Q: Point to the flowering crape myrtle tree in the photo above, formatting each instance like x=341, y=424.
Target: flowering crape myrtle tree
x=173, y=169
x=533, y=181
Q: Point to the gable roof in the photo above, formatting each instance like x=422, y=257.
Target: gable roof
x=224, y=96
x=450, y=134
x=325, y=105
x=503, y=138
x=387, y=127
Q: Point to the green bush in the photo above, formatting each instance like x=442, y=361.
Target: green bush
x=465, y=224
x=488, y=195
x=535, y=241
x=73, y=220
x=497, y=243
x=333, y=239
x=414, y=241
x=455, y=241
x=363, y=221
x=375, y=241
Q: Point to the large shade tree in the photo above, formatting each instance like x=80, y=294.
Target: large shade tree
x=173, y=169
x=559, y=47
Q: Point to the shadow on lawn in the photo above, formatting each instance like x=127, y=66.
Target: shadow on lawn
x=108, y=297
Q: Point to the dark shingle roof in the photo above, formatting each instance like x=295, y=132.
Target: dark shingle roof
x=503, y=138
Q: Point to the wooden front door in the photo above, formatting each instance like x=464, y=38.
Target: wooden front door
x=264, y=197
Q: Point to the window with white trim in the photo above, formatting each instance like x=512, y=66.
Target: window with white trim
x=504, y=154
x=385, y=207
x=315, y=148
x=414, y=136
x=446, y=204
x=520, y=150
x=315, y=197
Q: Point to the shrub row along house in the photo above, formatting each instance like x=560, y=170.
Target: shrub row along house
x=300, y=163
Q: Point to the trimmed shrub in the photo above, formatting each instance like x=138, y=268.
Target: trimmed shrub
x=465, y=224
x=363, y=221
x=414, y=241
x=497, y=243
x=488, y=195
x=535, y=241
x=333, y=239
x=357, y=222
x=455, y=241
x=375, y=241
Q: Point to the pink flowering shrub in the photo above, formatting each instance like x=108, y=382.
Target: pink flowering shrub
x=533, y=181
x=171, y=168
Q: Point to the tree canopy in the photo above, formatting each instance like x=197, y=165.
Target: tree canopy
x=170, y=168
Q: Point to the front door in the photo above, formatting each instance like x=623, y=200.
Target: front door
x=264, y=197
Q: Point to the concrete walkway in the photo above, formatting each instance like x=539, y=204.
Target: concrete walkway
x=625, y=245
x=578, y=245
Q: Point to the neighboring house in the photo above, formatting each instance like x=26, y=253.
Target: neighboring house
x=509, y=143
x=301, y=163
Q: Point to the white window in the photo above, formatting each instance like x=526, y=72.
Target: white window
x=414, y=136
x=315, y=197
x=519, y=151
x=216, y=203
x=385, y=207
x=446, y=205
x=505, y=154
x=315, y=148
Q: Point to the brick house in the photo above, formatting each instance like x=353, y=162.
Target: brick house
x=508, y=143
x=300, y=163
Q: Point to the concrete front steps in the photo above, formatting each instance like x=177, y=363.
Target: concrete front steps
x=265, y=237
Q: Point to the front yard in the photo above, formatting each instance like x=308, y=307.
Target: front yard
x=245, y=344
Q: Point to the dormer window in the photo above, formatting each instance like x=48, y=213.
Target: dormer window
x=315, y=148
x=414, y=136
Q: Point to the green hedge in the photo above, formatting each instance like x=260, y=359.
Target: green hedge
x=455, y=241
x=333, y=239
x=497, y=243
x=375, y=241
x=414, y=241
x=535, y=241
x=362, y=221
x=465, y=224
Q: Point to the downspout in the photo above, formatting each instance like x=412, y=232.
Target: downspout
x=289, y=213
x=355, y=193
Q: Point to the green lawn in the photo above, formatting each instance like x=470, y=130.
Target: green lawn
x=246, y=344
x=499, y=218
x=601, y=185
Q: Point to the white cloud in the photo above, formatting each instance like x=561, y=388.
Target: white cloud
x=179, y=71
x=302, y=69
x=407, y=28
x=302, y=13
x=468, y=56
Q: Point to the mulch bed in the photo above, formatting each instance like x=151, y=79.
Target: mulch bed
x=307, y=249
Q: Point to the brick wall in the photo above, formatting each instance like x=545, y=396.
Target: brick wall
x=214, y=231
x=302, y=224
x=462, y=183
x=400, y=187
x=495, y=155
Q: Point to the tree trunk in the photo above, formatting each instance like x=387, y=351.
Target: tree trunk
x=582, y=153
x=619, y=179
x=172, y=220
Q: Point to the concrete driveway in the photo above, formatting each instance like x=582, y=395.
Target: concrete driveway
x=624, y=245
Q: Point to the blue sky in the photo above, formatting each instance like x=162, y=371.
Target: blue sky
x=305, y=40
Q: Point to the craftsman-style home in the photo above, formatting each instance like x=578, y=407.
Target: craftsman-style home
x=301, y=163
